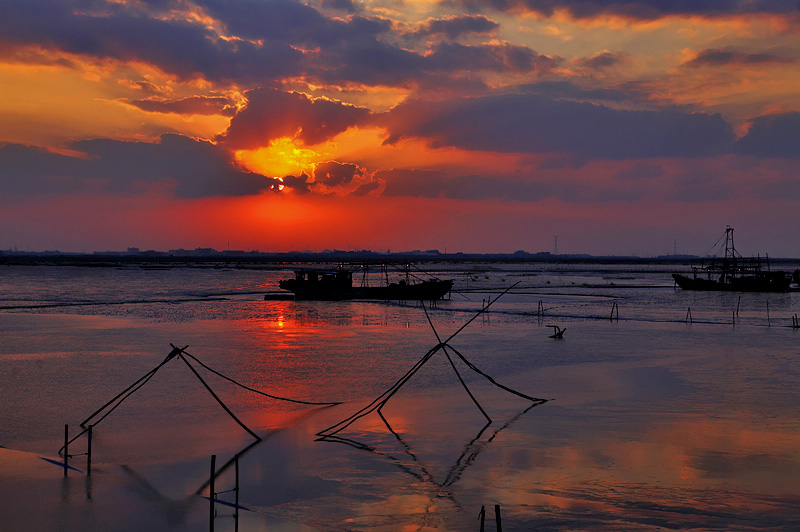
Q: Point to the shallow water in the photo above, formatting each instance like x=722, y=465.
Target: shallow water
x=653, y=422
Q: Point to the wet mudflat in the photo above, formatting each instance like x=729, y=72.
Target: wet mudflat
x=651, y=422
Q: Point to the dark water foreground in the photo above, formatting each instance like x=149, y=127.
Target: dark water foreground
x=652, y=424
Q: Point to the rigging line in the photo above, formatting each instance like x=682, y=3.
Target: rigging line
x=449, y=359
x=399, y=384
x=506, y=388
x=175, y=351
x=254, y=390
x=377, y=399
x=464, y=384
x=253, y=434
x=484, y=309
x=380, y=403
x=408, y=377
x=130, y=391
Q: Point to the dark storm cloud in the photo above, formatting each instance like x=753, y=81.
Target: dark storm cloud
x=289, y=21
x=347, y=6
x=603, y=60
x=772, y=136
x=35, y=170
x=177, y=46
x=437, y=184
x=715, y=57
x=299, y=184
x=192, y=168
x=332, y=173
x=264, y=42
x=456, y=26
x=489, y=57
x=568, y=90
x=529, y=123
x=193, y=105
x=366, y=188
x=637, y=9
x=272, y=114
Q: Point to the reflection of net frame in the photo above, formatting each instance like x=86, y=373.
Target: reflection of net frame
x=331, y=433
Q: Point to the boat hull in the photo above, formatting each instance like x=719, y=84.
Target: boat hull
x=775, y=282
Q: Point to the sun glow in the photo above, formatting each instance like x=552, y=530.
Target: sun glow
x=282, y=157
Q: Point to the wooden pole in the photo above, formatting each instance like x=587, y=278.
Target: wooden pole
x=233, y=416
x=497, y=518
x=768, y=324
x=211, y=494
x=66, y=449
x=482, y=516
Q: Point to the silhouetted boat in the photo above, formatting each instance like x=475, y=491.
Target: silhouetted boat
x=734, y=273
x=337, y=285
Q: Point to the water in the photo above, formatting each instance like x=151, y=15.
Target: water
x=680, y=414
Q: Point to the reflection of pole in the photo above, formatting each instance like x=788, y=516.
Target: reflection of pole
x=211, y=494
x=236, y=510
x=89, y=454
x=66, y=448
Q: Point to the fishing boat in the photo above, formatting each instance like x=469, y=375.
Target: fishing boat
x=734, y=273
x=337, y=285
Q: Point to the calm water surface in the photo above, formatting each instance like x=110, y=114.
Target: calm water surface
x=681, y=414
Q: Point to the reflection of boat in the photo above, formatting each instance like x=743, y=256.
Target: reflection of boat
x=337, y=285
x=734, y=273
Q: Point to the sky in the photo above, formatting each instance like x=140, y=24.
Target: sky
x=626, y=127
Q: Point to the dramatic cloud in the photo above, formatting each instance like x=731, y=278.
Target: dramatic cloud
x=290, y=21
x=638, y=9
x=603, y=60
x=491, y=57
x=193, y=105
x=456, y=26
x=334, y=174
x=437, y=184
x=772, y=136
x=527, y=123
x=175, y=45
x=187, y=167
x=713, y=57
x=570, y=91
x=271, y=114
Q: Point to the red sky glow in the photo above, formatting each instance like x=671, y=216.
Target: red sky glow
x=485, y=126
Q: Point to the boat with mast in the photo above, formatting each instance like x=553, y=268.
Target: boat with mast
x=337, y=285
x=734, y=273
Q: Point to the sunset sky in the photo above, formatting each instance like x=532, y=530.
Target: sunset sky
x=623, y=127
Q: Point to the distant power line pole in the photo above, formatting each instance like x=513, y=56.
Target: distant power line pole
x=555, y=245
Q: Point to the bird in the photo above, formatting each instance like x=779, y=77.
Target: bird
x=558, y=332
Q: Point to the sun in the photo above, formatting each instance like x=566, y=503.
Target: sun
x=282, y=157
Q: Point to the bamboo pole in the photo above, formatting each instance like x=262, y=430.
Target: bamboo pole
x=236, y=419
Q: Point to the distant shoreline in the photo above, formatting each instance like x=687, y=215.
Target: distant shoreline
x=258, y=259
